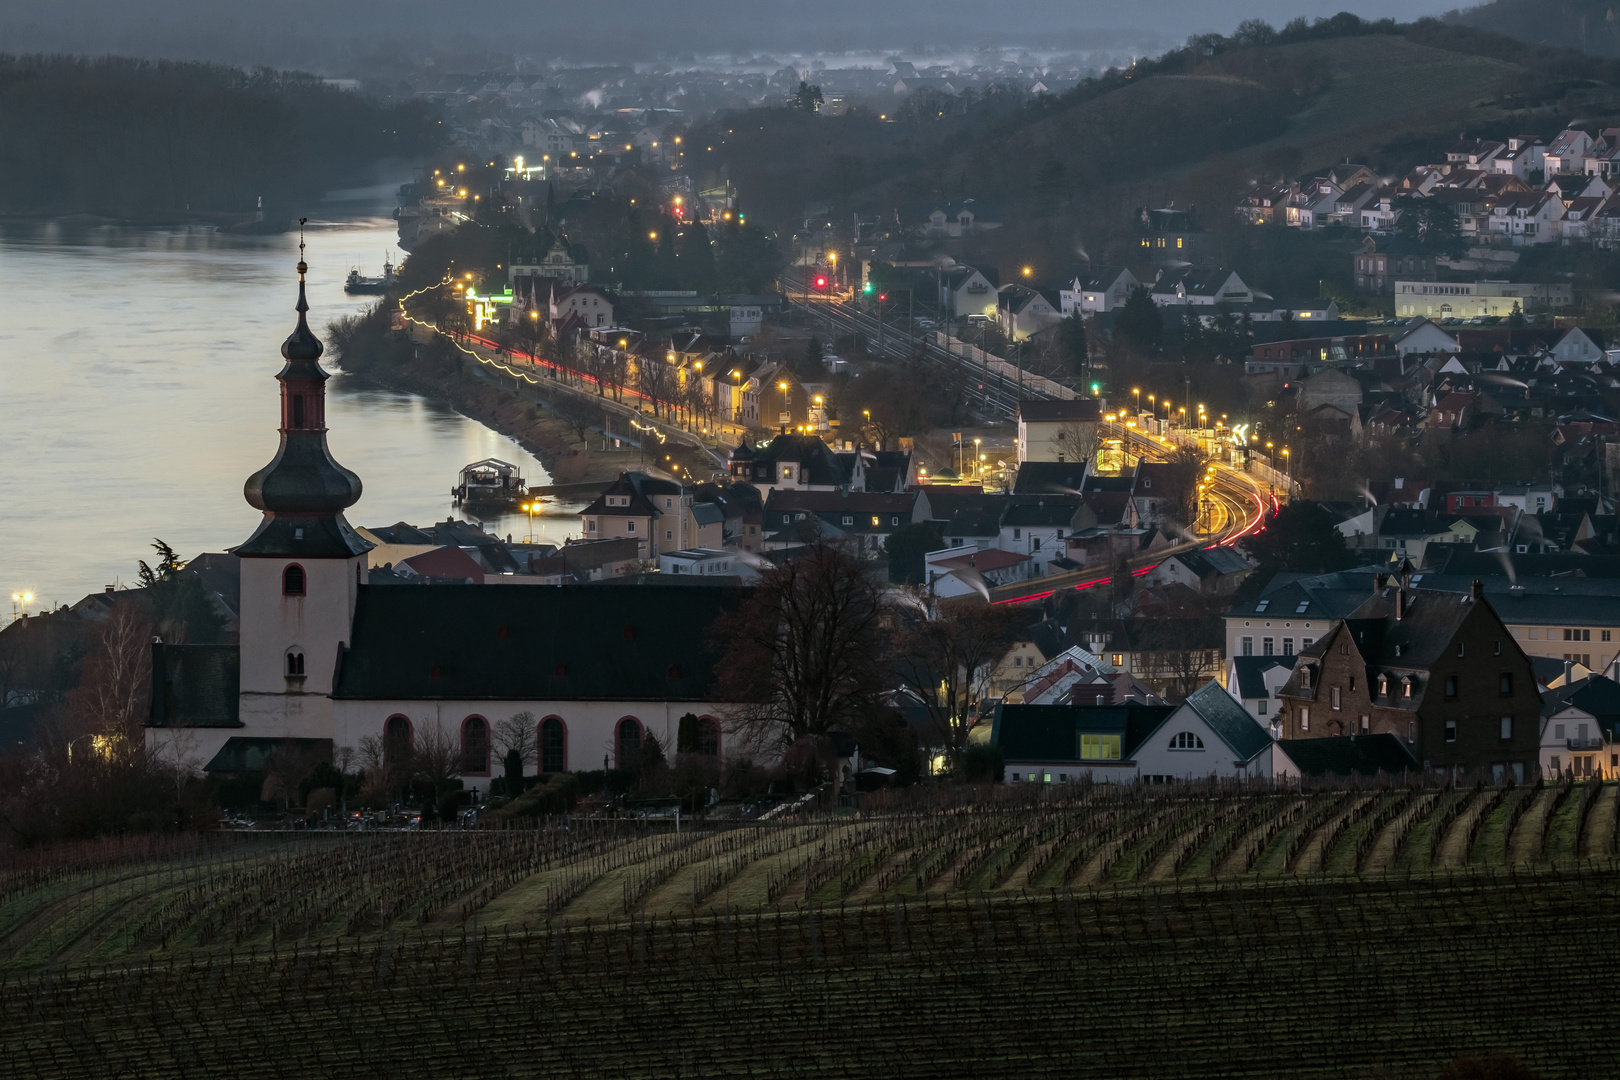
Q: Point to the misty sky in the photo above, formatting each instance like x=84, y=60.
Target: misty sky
x=329, y=35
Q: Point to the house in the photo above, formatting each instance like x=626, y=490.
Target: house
x=963, y=219
x=794, y=462
x=1580, y=346
x=563, y=263
x=1255, y=682
x=968, y=570
x=1052, y=477
x=659, y=513
x=1342, y=756
x=707, y=562
x=1567, y=152
x=865, y=518
x=1057, y=430
x=1103, y=290
x=1035, y=525
x=1381, y=260
x=1578, y=727
x=966, y=292
x=591, y=306
x=1061, y=744
x=1208, y=735
x=1439, y=671
x=1264, y=204
x=1421, y=337
x=1188, y=286
x=1212, y=571
x=1022, y=312
x=583, y=561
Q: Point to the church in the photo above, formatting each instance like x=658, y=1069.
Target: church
x=325, y=661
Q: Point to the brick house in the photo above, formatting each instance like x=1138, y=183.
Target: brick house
x=1438, y=670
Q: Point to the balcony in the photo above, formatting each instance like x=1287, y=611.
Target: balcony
x=1584, y=744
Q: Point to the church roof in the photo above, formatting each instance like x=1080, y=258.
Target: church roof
x=572, y=642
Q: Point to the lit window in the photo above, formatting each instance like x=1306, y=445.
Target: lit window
x=1099, y=747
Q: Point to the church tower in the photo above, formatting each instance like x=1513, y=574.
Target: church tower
x=303, y=565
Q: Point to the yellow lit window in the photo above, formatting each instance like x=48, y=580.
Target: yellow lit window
x=1099, y=747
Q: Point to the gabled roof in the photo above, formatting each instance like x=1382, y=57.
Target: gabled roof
x=1057, y=410
x=1251, y=672
x=1050, y=477
x=1052, y=732
x=573, y=642
x=1345, y=755
x=1028, y=511
x=1229, y=720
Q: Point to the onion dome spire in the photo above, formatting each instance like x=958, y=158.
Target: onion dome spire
x=303, y=491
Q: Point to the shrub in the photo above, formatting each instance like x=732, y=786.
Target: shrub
x=983, y=763
x=556, y=794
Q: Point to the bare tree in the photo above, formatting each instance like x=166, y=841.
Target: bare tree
x=517, y=734
x=1076, y=440
x=802, y=656
x=435, y=756
x=944, y=663
x=110, y=702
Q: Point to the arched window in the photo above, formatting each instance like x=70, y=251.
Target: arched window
x=295, y=663
x=292, y=580
x=1186, y=740
x=628, y=743
x=708, y=736
x=396, y=740
x=475, y=746
x=553, y=745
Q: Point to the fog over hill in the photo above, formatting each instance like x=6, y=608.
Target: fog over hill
x=337, y=37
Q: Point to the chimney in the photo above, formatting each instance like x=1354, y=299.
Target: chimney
x=1476, y=590
x=109, y=590
x=1569, y=672
x=1380, y=579
x=1400, y=604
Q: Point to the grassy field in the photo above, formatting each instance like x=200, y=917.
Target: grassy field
x=1145, y=932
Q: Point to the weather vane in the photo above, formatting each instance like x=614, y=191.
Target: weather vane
x=302, y=266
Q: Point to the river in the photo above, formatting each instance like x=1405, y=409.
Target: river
x=137, y=377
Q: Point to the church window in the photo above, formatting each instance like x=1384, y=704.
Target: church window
x=628, y=743
x=475, y=746
x=295, y=663
x=553, y=745
x=292, y=581
x=396, y=740
x=708, y=736
x=298, y=410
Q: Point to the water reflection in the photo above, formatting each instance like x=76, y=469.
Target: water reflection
x=137, y=375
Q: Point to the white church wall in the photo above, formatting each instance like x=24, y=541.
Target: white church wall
x=274, y=704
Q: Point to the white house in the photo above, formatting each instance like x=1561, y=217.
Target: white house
x=1578, y=347
x=1208, y=735
x=707, y=562
x=963, y=291
x=1567, y=152
x=1023, y=312
x=591, y=305
x=1421, y=337
x=968, y=570
x=1255, y=681
x=1102, y=291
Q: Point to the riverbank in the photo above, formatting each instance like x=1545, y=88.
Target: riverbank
x=570, y=442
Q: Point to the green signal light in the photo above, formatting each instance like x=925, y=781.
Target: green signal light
x=867, y=288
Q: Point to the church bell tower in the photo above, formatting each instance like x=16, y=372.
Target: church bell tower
x=303, y=565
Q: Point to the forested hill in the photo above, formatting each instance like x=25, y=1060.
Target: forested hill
x=1589, y=25
x=149, y=140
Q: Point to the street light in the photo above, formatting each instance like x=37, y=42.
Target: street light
x=1137, y=390
x=19, y=604
x=531, y=508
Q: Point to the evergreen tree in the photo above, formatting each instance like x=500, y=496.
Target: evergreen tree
x=1139, y=320
x=697, y=259
x=1072, y=342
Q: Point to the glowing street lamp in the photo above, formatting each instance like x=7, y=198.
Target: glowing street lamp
x=531, y=508
x=19, y=604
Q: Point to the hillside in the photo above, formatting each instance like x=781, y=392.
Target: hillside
x=1588, y=25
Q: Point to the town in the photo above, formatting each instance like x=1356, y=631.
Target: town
x=1192, y=567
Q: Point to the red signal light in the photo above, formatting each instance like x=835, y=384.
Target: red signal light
x=821, y=283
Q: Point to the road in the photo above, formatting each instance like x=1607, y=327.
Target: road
x=1238, y=507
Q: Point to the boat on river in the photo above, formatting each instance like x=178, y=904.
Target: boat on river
x=356, y=284
x=491, y=484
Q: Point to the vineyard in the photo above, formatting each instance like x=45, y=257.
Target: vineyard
x=1037, y=933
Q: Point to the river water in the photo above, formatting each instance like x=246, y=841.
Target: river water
x=137, y=379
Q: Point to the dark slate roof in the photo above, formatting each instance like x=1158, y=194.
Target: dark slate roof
x=1596, y=694
x=1084, y=410
x=1040, y=510
x=1052, y=732
x=1043, y=477
x=1213, y=561
x=1342, y=755
x=571, y=642
x=1251, y=672
x=245, y=753
x=1228, y=719
x=196, y=685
